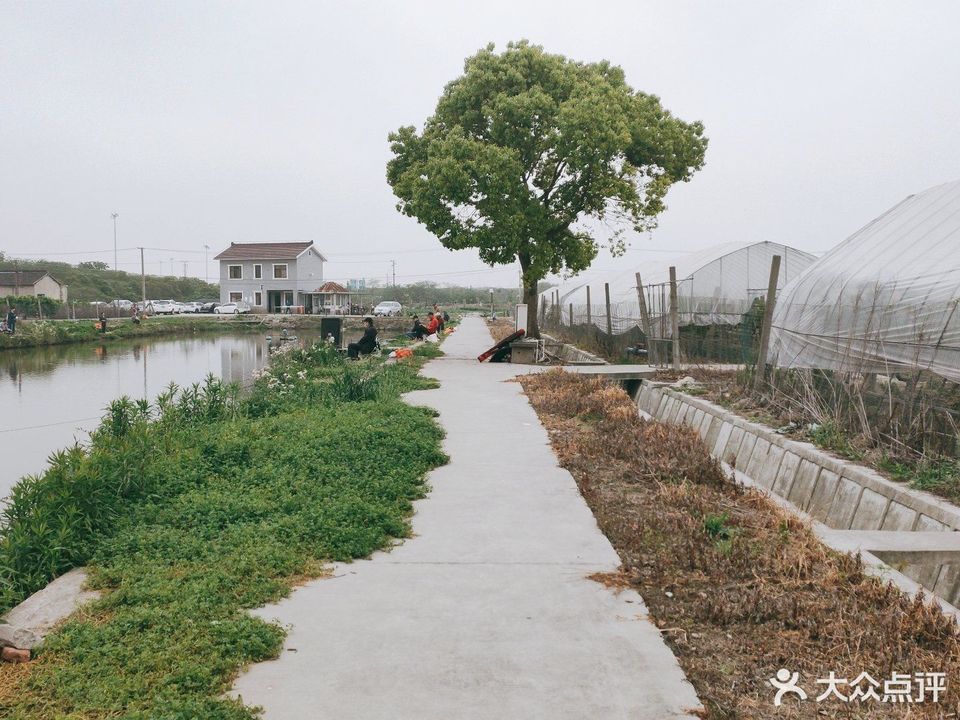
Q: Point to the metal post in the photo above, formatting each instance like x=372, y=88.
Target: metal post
x=143, y=282
x=771, y=299
x=115, y=216
x=606, y=294
x=674, y=318
x=589, y=310
x=645, y=321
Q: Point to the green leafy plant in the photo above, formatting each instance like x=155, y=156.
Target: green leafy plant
x=194, y=508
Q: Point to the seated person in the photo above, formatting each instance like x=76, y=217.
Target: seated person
x=418, y=331
x=366, y=344
x=440, y=318
x=433, y=324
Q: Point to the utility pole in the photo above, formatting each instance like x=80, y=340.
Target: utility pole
x=115, y=216
x=393, y=264
x=206, y=264
x=184, y=269
x=143, y=281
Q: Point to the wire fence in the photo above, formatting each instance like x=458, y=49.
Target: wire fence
x=729, y=339
x=856, y=404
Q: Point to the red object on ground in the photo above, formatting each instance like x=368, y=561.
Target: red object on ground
x=16, y=655
x=500, y=345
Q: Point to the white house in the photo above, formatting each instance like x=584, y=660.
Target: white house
x=270, y=276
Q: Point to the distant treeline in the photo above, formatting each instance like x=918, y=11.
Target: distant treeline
x=92, y=281
x=423, y=294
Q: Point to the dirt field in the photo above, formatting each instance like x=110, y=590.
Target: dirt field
x=738, y=588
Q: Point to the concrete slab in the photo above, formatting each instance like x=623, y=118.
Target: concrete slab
x=899, y=517
x=870, y=511
x=487, y=611
x=28, y=623
x=786, y=474
x=845, y=503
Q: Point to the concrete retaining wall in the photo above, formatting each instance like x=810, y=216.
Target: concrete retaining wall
x=842, y=495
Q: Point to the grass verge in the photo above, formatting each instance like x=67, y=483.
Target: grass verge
x=738, y=588
x=37, y=333
x=194, y=509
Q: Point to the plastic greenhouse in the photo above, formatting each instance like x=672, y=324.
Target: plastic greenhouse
x=716, y=285
x=885, y=298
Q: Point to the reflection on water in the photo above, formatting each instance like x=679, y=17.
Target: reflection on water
x=51, y=397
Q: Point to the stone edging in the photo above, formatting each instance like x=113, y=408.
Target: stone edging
x=838, y=493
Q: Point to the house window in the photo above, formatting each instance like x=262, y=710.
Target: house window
x=280, y=272
x=236, y=297
x=258, y=272
x=235, y=272
x=258, y=298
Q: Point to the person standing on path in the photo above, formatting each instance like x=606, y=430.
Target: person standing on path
x=12, y=320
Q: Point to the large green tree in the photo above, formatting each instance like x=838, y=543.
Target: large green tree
x=526, y=147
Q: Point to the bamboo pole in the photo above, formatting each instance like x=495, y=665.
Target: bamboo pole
x=645, y=321
x=674, y=318
x=767, y=318
x=606, y=294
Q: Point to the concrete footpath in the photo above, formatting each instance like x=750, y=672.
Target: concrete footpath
x=487, y=611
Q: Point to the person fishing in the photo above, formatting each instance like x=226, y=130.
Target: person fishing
x=418, y=331
x=366, y=344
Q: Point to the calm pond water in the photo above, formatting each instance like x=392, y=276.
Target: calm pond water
x=51, y=397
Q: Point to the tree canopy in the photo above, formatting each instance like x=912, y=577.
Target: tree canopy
x=525, y=146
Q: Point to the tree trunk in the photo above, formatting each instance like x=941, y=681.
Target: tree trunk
x=533, y=312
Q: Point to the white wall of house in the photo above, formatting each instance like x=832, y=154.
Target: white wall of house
x=50, y=288
x=45, y=286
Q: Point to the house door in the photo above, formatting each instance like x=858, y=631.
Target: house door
x=278, y=300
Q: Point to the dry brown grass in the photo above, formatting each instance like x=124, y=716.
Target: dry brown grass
x=739, y=588
x=501, y=328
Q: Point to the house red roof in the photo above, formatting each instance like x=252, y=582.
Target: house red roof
x=332, y=287
x=263, y=251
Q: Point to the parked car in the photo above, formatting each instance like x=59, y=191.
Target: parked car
x=122, y=304
x=234, y=308
x=388, y=308
x=208, y=306
x=163, y=307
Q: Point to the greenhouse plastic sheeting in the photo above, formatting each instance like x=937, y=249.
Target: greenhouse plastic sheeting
x=885, y=298
x=715, y=286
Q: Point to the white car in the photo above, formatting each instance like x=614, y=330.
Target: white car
x=388, y=308
x=163, y=307
x=234, y=308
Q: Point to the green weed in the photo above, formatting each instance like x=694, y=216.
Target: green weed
x=195, y=508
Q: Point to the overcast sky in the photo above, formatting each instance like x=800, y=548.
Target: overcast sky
x=211, y=122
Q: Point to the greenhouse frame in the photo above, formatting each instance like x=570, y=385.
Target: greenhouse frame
x=883, y=300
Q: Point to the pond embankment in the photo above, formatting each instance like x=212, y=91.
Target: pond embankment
x=38, y=333
x=189, y=510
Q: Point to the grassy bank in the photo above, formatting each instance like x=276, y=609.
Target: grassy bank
x=36, y=333
x=739, y=588
x=195, y=508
